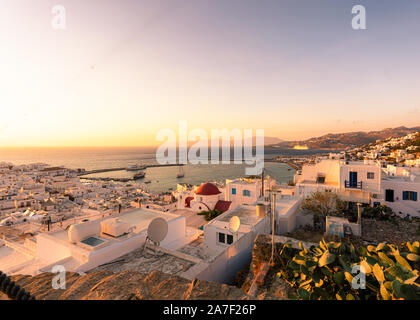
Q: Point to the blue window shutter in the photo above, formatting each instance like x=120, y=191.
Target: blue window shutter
x=244, y=192
x=233, y=190
x=249, y=193
x=415, y=196
x=404, y=195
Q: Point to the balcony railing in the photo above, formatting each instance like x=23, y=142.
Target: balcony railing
x=353, y=185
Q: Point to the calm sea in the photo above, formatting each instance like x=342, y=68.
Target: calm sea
x=161, y=178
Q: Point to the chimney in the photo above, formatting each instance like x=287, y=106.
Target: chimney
x=261, y=210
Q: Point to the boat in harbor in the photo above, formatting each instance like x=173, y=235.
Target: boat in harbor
x=301, y=147
x=134, y=167
x=139, y=175
x=180, y=173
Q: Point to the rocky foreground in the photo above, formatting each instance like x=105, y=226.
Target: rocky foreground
x=127, y=285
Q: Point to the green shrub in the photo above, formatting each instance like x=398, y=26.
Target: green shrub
x=325, y=271
x=209, y=215
x=381, y=212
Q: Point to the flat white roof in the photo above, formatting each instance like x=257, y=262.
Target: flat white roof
x=10, y=258
x=140, y=218
x=285, y=203
x=247, y=215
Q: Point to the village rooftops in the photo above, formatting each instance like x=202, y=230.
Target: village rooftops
x=243, y=181
x=411, y=178
x=88, y=245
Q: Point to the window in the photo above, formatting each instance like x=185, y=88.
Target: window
x=371, y=175
x=233, y=190
x=229, y=239
x=320, y=179
x=246, y=193
x=410, y=195
x=222, y=237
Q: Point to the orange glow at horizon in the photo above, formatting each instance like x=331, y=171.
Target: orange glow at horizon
x=118, y=75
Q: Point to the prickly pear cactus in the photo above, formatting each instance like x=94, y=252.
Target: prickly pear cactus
x=337, y=270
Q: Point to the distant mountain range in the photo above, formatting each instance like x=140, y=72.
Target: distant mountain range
x=349, y=139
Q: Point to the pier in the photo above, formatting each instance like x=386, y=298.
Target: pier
x=287, y=162
x=84, y=173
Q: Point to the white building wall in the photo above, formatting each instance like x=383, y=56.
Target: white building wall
x=336, y=173
x=287, y=222
x=370, y=185
x=399, y=205
x=239, y=198
x=223, y=267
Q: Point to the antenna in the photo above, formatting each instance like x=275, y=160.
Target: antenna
x=273, y=208
x=157, y=230
x=262, y=183
x=234, y=224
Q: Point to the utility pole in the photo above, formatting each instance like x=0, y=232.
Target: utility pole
x=359, y=215
x=262, y=182
x=273, y=208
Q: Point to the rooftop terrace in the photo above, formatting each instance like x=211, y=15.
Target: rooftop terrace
x=145, y=262
x=247, y=215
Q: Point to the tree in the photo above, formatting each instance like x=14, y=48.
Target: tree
x=324, y=204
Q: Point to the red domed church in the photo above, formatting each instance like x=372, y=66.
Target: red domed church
x=205, y=198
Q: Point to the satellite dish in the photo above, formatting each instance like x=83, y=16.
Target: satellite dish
x=157, y=230
x=234, y=224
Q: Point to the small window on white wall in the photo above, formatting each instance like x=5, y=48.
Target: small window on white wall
x=224, y=238
x=229, y=239
x=371, y=175
x=221, y=237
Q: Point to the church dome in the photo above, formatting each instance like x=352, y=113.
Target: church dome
x=207, y=189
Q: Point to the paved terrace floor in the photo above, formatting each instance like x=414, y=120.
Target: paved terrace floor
x=193, y=219
x=145, y=262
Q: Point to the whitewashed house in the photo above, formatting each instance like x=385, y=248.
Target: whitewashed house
x=353, y=181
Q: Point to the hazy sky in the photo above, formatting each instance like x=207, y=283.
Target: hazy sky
x=122, y=70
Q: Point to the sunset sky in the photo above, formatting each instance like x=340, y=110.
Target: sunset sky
x=122, y=70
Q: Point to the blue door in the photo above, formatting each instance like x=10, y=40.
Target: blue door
x=353, y=179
